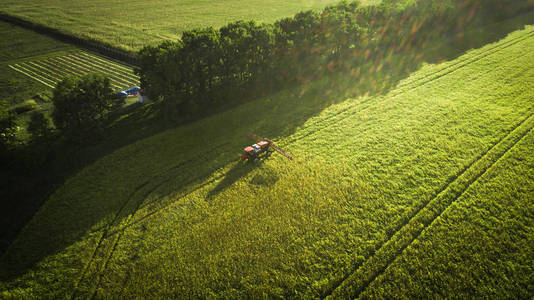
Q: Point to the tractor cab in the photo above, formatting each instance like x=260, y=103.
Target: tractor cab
x=264, y=148
x=254, y=152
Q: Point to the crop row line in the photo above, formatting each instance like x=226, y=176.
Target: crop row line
x=33, y=75
x=50, y=74
x=376, y=265
x=53, y=76
x=52, y=64
x=126, y=67
x=83, y=61
x=86, y=68
x=51, y=70
x=345, y=113
x=59, y=69
x=107, y=63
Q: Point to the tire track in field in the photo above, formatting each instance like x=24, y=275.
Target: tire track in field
x=416, y=83
x=103, y=236
x=118, y=238
x=456, y=186
x=107, y=233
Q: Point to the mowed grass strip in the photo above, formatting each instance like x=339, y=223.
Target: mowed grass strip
x=481, y=246
x=280, y=228
x=51, y=70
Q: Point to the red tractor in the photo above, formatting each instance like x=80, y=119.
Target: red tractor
x=262, y=149
x=256, y=151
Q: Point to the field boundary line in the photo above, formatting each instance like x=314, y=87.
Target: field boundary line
x=391, y=248
x=32, y=77
x=418, y=83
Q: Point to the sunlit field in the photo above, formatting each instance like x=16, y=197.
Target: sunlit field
x=131, y=25
x=383, y=163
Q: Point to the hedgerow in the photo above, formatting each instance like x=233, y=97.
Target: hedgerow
x=217, y=68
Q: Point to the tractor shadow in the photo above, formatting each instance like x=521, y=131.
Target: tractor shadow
x=241, y=169
x=374, y=77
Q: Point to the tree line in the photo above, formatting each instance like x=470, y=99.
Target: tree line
x=210, y=67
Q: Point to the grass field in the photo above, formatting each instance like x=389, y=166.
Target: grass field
x=133, y=24
x=375, y=180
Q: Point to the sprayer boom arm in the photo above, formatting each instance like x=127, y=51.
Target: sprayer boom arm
x=258, y=138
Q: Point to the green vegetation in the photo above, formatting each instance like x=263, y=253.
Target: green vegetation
x=175, y=215
x=134, y=24
x=81, y=104
x=30, y=170
x=211, y=68
x=17, y=45
x=481, y=246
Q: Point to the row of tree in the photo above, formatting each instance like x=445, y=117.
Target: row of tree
x=243, y=59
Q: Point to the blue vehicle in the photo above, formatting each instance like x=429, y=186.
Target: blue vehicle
x=129, y=92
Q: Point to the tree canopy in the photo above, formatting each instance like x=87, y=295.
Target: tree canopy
x=81, y=103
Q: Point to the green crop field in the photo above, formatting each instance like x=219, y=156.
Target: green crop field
x=392, y=179
x=133, y=24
